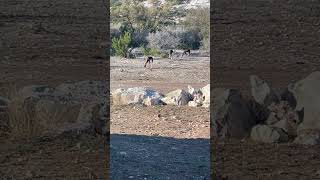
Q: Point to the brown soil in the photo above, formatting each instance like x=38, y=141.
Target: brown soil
x=268, y=39
x=166, y=75
x=164, y=142
x=165, y=121
x=52, y=42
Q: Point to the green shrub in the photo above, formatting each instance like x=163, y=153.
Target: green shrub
x=120, y=45
x=149, y=51
x=164, y=55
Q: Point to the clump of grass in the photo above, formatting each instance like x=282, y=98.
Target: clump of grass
x=20, y=114
x=23, y=121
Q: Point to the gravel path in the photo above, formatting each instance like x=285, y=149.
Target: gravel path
x=157, y=158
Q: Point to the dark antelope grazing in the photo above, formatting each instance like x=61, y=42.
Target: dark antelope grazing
x=149, y=61
x=186, y=52
x=170, y=54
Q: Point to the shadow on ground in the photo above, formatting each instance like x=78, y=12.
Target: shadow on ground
x=157, y=158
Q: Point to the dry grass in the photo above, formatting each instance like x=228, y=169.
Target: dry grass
x=23, y=121
x=26, y=119
x=20, y=116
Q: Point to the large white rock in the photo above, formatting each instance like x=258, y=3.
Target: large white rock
x=267, y=134
x=232, y=115
x=136, y=95
x=261, y=91
x=220, y=96
x=152, y=101
x=193, y=104
x=196, y=96
x=206, y=95
x=307, y=95
x=191, y=90
x=177, y=97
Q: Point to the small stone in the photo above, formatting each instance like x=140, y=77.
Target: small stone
x=267, y=134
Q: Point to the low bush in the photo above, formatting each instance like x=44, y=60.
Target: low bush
x=149, y=51
x=172, y=39
x=120, y=46
x=163, y=40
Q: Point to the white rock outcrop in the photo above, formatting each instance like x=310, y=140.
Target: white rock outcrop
x=136, y=95
x=177, y=97
x=307, y=95
x=267, y=134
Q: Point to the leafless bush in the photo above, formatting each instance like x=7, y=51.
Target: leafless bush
x=189, y=39
x=163, y=40
x=171, y=39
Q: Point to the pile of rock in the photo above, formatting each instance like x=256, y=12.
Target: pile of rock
x=150, y=97
x=80, y=106
x=289, y=116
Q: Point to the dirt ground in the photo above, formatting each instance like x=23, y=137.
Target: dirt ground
x=280, y=42
x=46, y=42
x=166, y=75
x=160, y=142
x=169, y=121
x=52, y=42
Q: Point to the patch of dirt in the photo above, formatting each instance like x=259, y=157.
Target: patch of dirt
x=251, y=160
x=52, y=42
x=160, y=142
x=280, y=42
x=166, y=75
x=266, y=38
x=168, y=121
x=67, y=156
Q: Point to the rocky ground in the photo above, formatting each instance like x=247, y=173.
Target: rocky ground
x=49, y=43
x=154, y=139
x=168, y=121
x=166, y=75
x=279, y=42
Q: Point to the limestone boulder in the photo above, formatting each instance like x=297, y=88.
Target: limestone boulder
x=177, y=97
x=232, y=115
x=137, y=95
x=261, y=91
x=200, y=97
x=194, y=104
x=306, y=93
x=206, y=95
x=191, y=90
x=152, y=101
x=267, y=134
